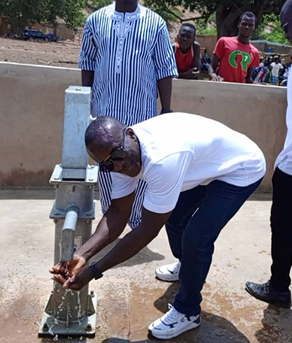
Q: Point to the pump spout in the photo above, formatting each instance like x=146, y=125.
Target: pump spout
x=68, y=234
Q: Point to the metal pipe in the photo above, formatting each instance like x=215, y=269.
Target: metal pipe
x=68, y=234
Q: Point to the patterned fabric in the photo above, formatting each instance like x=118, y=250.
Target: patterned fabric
x=129, y=53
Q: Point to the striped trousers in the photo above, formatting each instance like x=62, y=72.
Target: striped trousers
x=105, y=190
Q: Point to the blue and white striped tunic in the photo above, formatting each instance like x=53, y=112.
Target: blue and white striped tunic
x=129, y=53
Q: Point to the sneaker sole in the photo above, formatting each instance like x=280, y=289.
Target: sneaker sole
x=272, y=302
x=167, y=278
x=169, y=336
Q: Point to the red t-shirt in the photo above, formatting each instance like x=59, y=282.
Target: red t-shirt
x=235, y=59
x=184, y=62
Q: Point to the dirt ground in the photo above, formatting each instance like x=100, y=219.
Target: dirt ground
x=62, y=54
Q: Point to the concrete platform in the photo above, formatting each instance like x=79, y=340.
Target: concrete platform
x=129, y=295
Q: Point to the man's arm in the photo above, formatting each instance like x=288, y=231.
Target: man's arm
x=129, y=246
x=213, y=68
x=109, y=228
x=87, y=56
x=87, y=77
x=248, y=75
x=165, y=89
x=165, y=66
x=193, y=73
x=134, y=241
x=197, y=53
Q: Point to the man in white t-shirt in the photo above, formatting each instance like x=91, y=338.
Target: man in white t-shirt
x=275, y=69
x=276, y=291
x=199, y=172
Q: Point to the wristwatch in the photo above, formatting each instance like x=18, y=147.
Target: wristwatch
x=96, y=273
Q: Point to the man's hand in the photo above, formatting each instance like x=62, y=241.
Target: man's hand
x=215, y=77
x=193, y=73
x=65, y=273
x=76, y=282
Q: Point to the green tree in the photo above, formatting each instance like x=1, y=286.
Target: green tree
x=270, y=29
x=206, y=27
x=95, y=5
x=22, y=12
x=227, y=12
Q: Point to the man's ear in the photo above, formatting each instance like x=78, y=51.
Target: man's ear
x=131, y=133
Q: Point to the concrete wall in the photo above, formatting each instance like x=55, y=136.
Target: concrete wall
x=207, y=42
x=31, y=116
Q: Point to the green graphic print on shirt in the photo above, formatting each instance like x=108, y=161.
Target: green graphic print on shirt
x=246, y=58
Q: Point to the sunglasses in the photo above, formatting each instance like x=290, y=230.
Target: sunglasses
x=118, y=154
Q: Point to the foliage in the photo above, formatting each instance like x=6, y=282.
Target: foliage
x=227, y=12
x=270, y=29
x=167, y=13
x=95, y=5
x=23, y=12
x=207, y=27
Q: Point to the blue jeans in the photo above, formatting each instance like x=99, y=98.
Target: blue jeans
x=193, y=227
x=274, y=80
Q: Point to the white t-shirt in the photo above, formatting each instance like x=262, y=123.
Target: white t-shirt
x=180, y=151
x=276, y=68
x=284, y=160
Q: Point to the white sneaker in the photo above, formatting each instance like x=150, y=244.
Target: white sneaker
x=173, y=323
x=169, y=272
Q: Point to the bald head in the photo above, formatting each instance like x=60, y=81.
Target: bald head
x=103, y=131
x=286, y=12
x=114, y=146
x=286, y=19
x=287, y=7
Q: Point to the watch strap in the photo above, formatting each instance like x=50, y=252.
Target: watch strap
x=96, y=273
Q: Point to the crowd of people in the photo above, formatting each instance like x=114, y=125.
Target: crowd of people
x=229, y=55
x=272, y=70
x=184, y=171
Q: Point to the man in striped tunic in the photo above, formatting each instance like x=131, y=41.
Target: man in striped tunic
x=126, y=55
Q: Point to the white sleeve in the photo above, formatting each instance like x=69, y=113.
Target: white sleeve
x=122, y=185
x=165, y=180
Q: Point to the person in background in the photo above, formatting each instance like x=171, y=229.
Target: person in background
x=261, y=74
x=275, y=67
x=205, y=61
x=187, y=52
x=235, y=57
x=268, y=61
x=127, y=58
x=276, y=290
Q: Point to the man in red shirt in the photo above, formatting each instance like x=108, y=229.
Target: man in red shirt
x=187, y=52
x=234, y=57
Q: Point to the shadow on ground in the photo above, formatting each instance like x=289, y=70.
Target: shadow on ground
x=276, y=326
x=145, y=255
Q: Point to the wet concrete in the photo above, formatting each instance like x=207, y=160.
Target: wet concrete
x=129, y=297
